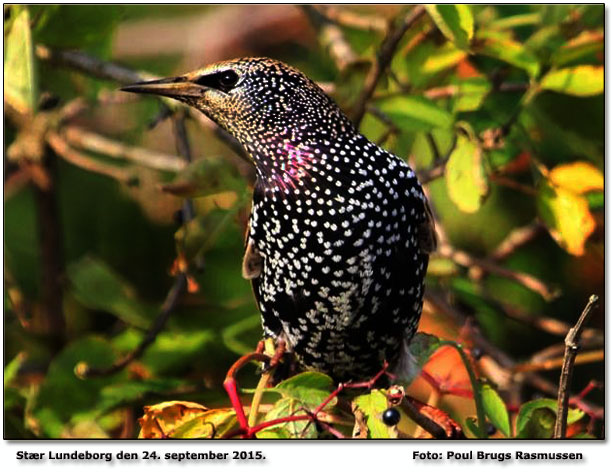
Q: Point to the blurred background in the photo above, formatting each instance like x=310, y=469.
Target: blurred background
x=500, y=108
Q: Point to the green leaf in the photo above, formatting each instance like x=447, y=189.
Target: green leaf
x=373, y=405
x=63, y=396
x=231, y=333
x=509, y=51
x=455, y=22
x=421, y=348
x=586, y=44
x=465, y=175
x=536, y=419
x=412, y=113
x=20, y=81
x=443, y=58
x=205, y=177
x=274, y=433
x=202, y=233
x=98, y=287
x=175, y=350
x=295, y=429
x=495, y=409
x=581, y=81
x=11, y=369
x=86, y=27
x=471, y=93
x=121, y=393
x=309, y=388
x=523, y=19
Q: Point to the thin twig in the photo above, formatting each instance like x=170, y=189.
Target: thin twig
x=516, y=239
x=572, y=347
x=181, y=279
x=466, y=260
x=382, y=61
x=550, y=364
x=90, y=65
x=172, y=299
x=503, y=363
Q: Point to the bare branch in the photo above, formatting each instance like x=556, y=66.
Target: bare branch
x=350, y=19
x=90, y=65
x=466, y=260
x=383, y=60
x=100, y=144
x=572, y=347
x=516, y=239
x=550, y=364
x=332, y=38
x=62, y=149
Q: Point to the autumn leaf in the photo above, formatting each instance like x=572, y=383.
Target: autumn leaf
x=578, y=177
x=182, y=419
x=567, y=216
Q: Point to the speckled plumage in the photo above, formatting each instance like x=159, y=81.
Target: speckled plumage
x=339, y=233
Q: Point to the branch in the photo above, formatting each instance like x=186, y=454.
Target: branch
x=516, y=239
x=90, y=65
x=181, y=280
x=62, y=149
x=350, y=19
x=332, y=38
x=51, y=251
x=95, y=67
x=466, y=260
x=572, y=347
x=384, y=58
x=100, y=144
x=550, y=364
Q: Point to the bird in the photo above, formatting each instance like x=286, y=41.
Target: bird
x=340, y=230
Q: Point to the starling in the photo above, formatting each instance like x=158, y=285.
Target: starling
x=339, y=232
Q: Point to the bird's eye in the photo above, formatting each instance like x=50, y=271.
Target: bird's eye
x=228, y=79
x=224, y=80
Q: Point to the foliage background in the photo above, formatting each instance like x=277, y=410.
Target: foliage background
x=495, y=105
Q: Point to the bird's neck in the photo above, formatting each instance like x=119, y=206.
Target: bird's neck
x=286, y=163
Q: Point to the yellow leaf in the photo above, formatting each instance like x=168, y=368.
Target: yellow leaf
x=578, y=177
x=180, y=419
x=567, y=216
x=20, y=87
x=582, y=81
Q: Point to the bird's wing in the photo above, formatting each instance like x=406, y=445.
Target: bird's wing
x=252, y=261
x=426, y=231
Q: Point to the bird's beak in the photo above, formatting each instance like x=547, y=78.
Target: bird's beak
x=173, y=87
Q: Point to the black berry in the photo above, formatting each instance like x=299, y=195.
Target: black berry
x=391, y=417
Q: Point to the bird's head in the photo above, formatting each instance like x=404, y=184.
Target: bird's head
x=262, y=102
